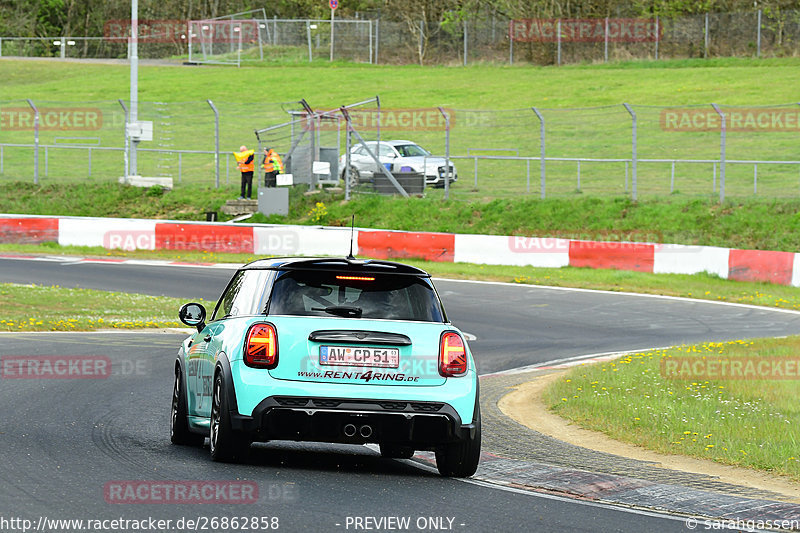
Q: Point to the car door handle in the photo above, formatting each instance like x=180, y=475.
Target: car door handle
x=207, y=338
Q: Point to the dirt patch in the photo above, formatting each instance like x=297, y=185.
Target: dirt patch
x=525, y=406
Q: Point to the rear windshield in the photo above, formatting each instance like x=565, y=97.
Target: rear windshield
x=383, y=296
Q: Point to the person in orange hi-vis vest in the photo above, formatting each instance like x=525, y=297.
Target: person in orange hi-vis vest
x=273, y=165
x=245, y=160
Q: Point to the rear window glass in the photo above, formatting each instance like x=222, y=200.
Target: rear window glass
x=355, y=295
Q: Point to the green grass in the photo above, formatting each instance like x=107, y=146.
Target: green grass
x=676, y=82
x=742, y=422
x=54, y=308
x=743, y=223
x=187, y=122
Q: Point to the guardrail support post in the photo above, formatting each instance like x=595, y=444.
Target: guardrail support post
x=35, y=141
x=216, y=143
x=722, y=138
x=541, y=151
x=634, y=154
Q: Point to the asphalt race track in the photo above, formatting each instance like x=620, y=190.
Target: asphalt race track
x=66, y=443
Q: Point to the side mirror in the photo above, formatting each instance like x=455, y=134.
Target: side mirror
x=193, y=315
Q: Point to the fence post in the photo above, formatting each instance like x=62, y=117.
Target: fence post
x=125, y=126
x=605, y=41
x=446, y=153
x=634, y=154
x=370, y=41
x=658, y=33
x=35, y=141
x=308, y=38
x=755, y=178
x=216, y=142
x=421, y=39
x=705, y=39
x=378, y=132
x=721, y=153
x=510, y=42
x=465, y=43
x=347, y=148
x=558, y=31
x=377, y=38
x=672, y=178
x=541, y=148
x=758, y=40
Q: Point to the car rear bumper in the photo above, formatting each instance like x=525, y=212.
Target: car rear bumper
x=422, y=425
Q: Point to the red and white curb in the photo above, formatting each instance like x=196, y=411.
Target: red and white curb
x=273, y=239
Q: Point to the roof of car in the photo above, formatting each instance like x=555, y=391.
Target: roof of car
x=335, y=264
x=391, y=143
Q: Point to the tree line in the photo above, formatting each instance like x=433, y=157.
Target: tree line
x=47, y=18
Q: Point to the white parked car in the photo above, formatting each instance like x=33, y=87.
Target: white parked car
x=396, y=156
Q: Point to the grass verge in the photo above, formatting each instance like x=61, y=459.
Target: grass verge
x=743, y=422
x=757, y=223
x=698, y=286
x=54, y=308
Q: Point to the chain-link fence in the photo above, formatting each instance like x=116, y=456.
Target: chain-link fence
x=702, y=150
x=489, y=38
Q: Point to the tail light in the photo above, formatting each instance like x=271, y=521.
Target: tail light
x=261, y=346
x=452, y=355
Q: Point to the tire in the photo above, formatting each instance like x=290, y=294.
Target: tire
x=227, y=445
x=354, y=175
x=396, y=451
x=178, y=421
x=461, y=459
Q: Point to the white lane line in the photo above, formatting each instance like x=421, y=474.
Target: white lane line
x=570, y=361
x=623, y=293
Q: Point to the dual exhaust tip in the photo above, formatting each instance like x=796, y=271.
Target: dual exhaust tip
x=350, y=430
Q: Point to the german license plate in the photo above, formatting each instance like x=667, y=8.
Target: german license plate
x=359, y=356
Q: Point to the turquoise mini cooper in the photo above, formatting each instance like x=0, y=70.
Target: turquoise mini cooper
x=328, y=350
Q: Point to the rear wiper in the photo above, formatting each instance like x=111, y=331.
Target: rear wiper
x=347, y=311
